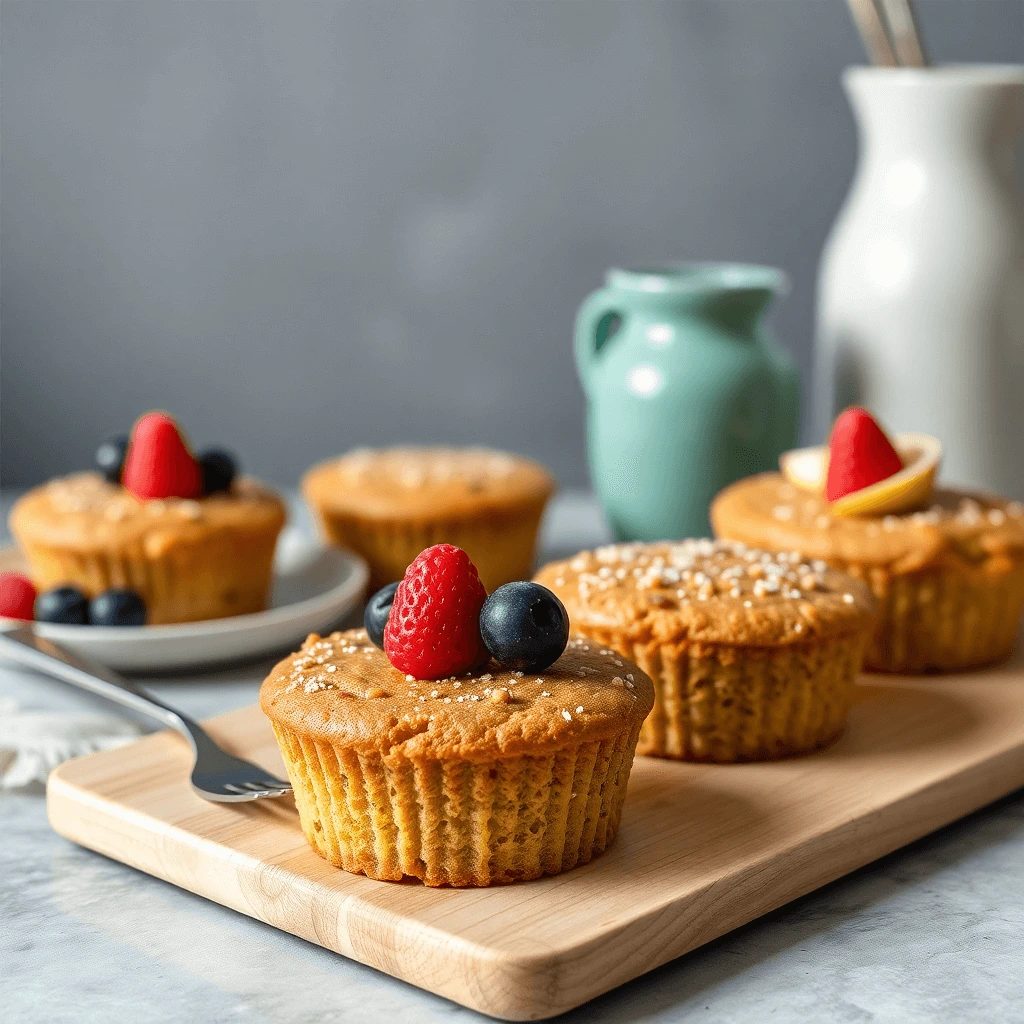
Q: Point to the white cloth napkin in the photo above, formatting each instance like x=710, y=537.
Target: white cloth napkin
x=32, y=743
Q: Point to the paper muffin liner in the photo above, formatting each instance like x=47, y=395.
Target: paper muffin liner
x=209, y=578
x=458, y=822
x=501, y=544
x=944, y=618
x=721, y=703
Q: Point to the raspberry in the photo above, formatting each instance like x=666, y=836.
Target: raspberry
x=158, y=463
x=433, y=629
x=859, y=454
x=17, y=596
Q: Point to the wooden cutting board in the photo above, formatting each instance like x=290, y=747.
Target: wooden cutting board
x=702, y=849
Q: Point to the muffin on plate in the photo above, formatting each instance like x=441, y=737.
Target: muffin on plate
x=389, y=505
x=947, y=566
x=489, y=775
x=182, y=533
x=753, y=655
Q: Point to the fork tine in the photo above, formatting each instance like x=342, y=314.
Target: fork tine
x=285, y=787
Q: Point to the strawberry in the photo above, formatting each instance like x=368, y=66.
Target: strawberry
x=433, y=629
x=17, y=596
x=859, y=454
x=158, y=463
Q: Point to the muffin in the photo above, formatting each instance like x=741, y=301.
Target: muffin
x=179, y=531
x=753, y=655
x=389, y=505
x=188, y=559
x=484, y=779
x=949, y=577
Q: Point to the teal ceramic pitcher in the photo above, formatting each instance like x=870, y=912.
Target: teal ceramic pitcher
x=686, y=392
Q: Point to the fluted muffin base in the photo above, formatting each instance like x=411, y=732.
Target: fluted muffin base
x=945, y=618
x=457, y=822
x=211, y=577
x=500, y=544
x=721, y=703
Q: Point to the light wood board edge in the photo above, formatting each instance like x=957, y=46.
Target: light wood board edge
x=531, y=983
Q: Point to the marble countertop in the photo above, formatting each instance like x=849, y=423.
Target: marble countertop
x=931, y=933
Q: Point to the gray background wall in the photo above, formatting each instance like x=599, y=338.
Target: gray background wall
x=303, y=227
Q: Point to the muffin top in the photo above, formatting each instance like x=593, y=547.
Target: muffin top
x=708, y=591
x=84, y=512
x=343, y=690
x=769, y=511
x=408, y=482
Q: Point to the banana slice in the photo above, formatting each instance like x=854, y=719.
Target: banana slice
x=910, y=488
x=806, y=468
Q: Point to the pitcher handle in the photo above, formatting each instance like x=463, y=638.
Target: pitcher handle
x=592, y=323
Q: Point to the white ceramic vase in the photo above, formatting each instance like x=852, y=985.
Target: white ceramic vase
x=921, y=285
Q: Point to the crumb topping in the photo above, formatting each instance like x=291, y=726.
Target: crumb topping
x=718, y=591
x=362, y=696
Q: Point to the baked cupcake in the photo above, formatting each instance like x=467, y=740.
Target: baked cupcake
x=484, y=777
x=753, y=655
x=180, y=533
x=948, y=571
x=389, y=505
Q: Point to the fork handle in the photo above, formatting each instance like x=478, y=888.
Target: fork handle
x=24, y=646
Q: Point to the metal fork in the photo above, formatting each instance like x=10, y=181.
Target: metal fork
x=216, y=774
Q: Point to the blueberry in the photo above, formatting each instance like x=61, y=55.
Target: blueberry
x=110, y=457
x=67, y=605
x=378, y=608
x=524, y=626
x=219, y=470
x=117, y=607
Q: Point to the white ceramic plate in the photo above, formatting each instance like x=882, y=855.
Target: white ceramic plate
x=314, y=589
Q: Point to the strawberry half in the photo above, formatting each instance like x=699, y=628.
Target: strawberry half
x=433, y=629
x=859, y=454
x=158, y=463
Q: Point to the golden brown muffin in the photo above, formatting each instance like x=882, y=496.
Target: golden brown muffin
x=753, y=655
x=389, y=505
x=949, y=579
x=483, y=779
x=188, y=559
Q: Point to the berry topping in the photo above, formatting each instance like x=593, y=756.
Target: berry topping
x=219, y=469
x=524, y=626
x=117, y=608
x=158, y=463
x=17, y=596
x=67, y=605
x=859, y=454
x=378, y=608
x=433, y=630
x=110, y=457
